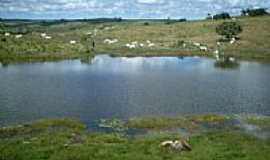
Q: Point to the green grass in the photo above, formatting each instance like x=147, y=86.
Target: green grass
x=190, y=123
x=68, y=140
x=160, y=123
x=254, y=41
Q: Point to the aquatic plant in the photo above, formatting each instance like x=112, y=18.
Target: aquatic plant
x=115, y=124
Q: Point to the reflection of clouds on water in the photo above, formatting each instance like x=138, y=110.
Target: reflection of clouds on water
x=134, y=65
x=130, y=65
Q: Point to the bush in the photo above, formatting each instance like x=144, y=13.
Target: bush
x=146, y=23
x=223, y=15
x=229, y=29
x=254, y=12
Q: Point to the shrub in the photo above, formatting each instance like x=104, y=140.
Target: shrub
x=223, y=15
x=229, y=29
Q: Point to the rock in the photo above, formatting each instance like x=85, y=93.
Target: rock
x=181, y=145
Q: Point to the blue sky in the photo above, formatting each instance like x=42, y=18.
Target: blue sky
x=56, y=9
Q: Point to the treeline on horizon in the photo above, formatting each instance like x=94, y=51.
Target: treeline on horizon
x=244, y=12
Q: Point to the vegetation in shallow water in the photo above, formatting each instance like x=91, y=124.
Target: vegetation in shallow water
x=262, y=122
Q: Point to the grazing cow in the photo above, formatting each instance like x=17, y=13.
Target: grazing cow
x=130, y=46
x=203, y=48
x=43, y=34
x=151, y=45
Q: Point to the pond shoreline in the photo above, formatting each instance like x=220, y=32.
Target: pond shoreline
x=22, y=59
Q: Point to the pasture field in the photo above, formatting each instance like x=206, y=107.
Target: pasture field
x=173, y=39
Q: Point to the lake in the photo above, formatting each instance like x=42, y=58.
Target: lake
x=106, y=87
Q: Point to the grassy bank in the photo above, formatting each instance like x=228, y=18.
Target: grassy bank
x=68, y=139
x=176, y=39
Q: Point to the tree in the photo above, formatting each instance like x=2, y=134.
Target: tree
x=229, y=29
x=223, y=15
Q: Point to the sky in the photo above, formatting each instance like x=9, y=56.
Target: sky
x=79, y=9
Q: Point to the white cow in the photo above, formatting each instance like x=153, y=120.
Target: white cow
x=233, y=40
x=232, y=59
x=130, y=46
x=151, y=44
x=196, y=44
x=216, y=52
x=7, y=34
x=72, y=42
x=18, y=36
x=203, y=48
x=184, y=45
x=48, y=37
x=110, y=41
x=43, y=35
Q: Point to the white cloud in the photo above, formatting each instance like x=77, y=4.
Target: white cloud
x=150, y=1
x=124, y=8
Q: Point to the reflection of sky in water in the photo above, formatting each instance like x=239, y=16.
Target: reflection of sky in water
x=128, y=87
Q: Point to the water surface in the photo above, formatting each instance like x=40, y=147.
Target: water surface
x=131, y=87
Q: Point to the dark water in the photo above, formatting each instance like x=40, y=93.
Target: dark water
x=129, y=87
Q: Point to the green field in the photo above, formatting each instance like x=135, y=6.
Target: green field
x=66, y=139
x=174, y=39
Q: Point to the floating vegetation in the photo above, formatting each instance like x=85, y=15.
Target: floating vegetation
x=260, y=121
x=116, y=125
